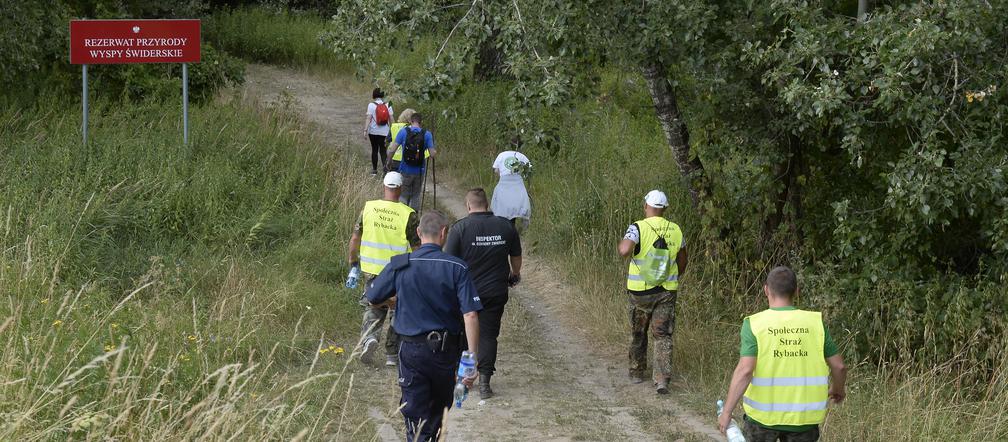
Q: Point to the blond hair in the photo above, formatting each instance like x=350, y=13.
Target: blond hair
x=405, y=116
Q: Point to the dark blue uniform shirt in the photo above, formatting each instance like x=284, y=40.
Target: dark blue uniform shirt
x=433, y=291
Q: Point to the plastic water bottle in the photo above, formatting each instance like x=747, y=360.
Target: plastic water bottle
x=353, y=277
x=733, y=431
x=467, y=368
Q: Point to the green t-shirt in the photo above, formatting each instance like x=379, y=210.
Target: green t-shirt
x=748, y=347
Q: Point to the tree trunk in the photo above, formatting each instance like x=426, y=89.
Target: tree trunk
x=676, y=133
x=862, y=10
x=489, y=59
x=788, y=198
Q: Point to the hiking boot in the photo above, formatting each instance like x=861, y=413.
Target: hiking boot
x=368, y=353
x=391, y=360
x=485, y=391
x=374, y=173
x=661, y=387
x=636, y=379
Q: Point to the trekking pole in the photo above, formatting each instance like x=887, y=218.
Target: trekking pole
x=423, y=190
x=433, y=168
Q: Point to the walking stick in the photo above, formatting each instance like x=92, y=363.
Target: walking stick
x=423, y=189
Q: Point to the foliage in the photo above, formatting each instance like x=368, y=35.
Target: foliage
x=865, y=154
x=166, y=291
x=35, y=38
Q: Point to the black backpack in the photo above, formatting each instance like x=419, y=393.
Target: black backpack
x=413, y=151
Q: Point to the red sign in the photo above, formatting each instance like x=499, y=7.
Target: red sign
x=134, y=41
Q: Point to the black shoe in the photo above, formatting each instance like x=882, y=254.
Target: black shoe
x=661, y=387
x=484, y=390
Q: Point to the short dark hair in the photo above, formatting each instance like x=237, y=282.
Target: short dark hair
x=431, y=223
x=377, y=93
x=416, y=118
x=782, y=281
x=476, y=197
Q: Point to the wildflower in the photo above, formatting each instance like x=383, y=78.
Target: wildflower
x=969, y=97
x=44, y=301
x=338, y=351
x=307, y=307
x=57, y=323
x=109, y=347
x=114, y=326
x=191, y=338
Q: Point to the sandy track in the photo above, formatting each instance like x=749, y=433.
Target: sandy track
x=551, y=384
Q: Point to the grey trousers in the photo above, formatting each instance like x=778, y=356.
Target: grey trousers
x=412, y=191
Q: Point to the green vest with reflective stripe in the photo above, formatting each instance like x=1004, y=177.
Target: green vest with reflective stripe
x=650, y=229
x=790, y=385
x=384, y=234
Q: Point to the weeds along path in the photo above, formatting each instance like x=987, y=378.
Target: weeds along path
x=551, y=384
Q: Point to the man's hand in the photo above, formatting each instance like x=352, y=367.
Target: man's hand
x=514, y=279
x=724, y=420
x=470, y=380
x=838, y=394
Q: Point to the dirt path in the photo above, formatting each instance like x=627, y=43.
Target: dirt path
x=551, y=384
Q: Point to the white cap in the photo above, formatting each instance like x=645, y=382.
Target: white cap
x=656, y=199
x=393, y=180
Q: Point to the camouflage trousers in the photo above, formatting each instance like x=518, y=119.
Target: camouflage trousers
x=754, y=432
x=657, y=313
x=374, y=319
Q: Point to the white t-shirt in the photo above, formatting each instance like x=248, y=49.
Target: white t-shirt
x=373, y=127
x=506, y=160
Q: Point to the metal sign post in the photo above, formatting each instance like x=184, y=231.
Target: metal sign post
x=84, y=96
x=134, y=41
x=185, y=103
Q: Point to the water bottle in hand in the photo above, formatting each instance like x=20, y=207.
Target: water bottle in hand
x=733, y=432
x=353, y=277
x=467, y=368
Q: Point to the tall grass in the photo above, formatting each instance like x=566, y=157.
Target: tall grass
x=161, y=291
x=279, y=37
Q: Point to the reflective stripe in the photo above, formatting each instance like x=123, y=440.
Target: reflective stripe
x=791, y=382
x=810, y=406
x=670, y=279
x=380, y=262
x=377, y=245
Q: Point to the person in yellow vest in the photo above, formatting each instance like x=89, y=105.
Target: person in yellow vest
x=385, y=228
x=788, y=369
x=652, y=305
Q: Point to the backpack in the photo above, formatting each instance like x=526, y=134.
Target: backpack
x=414, y=148
x=381, y=115
x=657, y=263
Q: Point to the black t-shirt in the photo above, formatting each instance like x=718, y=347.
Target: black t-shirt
x=485, y=242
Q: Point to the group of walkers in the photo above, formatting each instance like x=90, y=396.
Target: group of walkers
x=443, y=289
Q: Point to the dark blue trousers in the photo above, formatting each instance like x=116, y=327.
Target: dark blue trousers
x=427, y=380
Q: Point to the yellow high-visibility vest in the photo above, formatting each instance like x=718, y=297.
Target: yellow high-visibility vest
x=384, y=235
x=649, y=230
x=790, y=385
x=396, y=127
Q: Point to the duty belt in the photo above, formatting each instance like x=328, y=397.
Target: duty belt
x=436, y=340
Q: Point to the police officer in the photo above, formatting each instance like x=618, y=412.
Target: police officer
x=652, y=306
x=436, y=302
x=786, y=360
x=384, y=229
x=490, y=246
